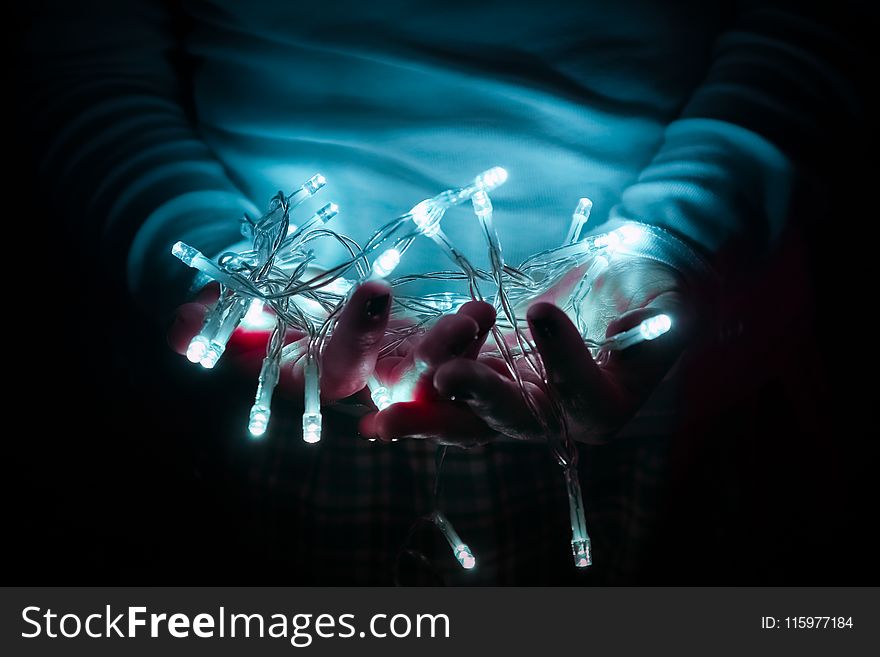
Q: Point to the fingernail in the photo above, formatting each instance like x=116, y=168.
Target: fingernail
x=544, y=327
x=376, y=306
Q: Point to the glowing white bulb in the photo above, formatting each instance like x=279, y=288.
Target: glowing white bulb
x=208, y=345
x=322, y=216
x=581, y=549
x=258, y=421
x=209, y=360
x=465, y=556
x=460, y=550
x=649, y=329
x=579, y=218
x=197, y=349
x=583, y=208
x=655, y=326
x=610, y=241
x=580, y=539
x=445, y=301
x=194, y=258
x=405, y=387
x=386, y=263
x=311, y=422
x=312, y=428
x=328, y=212
x=491, y=179
x=630, y=234
x=308, y=190
x=379, y=394
x=482, y=204
x=256, y=318
x=314, y=183
x=426, y=215
x=185, y=253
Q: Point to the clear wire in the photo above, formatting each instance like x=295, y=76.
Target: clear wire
x=280, y=271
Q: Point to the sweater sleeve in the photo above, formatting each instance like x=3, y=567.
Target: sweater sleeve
x=106, y=106
x=776, y=98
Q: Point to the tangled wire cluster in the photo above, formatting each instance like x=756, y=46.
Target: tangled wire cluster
x=280, y=272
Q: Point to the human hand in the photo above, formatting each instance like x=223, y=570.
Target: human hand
x=476, y=400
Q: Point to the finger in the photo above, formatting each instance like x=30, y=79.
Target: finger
x=492, y=397
x=569, y=367
x=446, y=422
x=350, y=355
x=450, y=337
x=484, y=315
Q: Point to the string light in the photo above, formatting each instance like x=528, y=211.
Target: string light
x=311, y=423
x=208, y=345
x=275, y=281
x=579, y=218
x=649, y=329
x=460, y=550
x=262, y=408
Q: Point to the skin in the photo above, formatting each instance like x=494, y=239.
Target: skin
x=464, y=396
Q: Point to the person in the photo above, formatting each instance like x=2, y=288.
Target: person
x=163, y=123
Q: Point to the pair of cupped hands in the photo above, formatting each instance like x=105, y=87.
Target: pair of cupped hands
x=464, y=394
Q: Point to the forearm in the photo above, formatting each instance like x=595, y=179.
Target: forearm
x=776, y=97
x=121, y=157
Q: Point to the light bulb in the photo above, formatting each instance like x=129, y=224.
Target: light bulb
x=580, y=539
x=208, y=345
x=581, y=549
x=386, y=263
x=258, y=421
x=654, y=327
x=326, y=213
x=197, y=349
x=379, y=394
x=610, y=241
x=314, y=183
x=426, y=215
x=312, y=428
x=465, y=556
x=579, y=218
x=192, y=257
x=185, y=253
x=649, y=329
x=256, y=318
x=630, y=234
x=306, y=191
x=491, y=179
x=311, y=421
x=460, y=550
x=482, y=204
x=322, y=216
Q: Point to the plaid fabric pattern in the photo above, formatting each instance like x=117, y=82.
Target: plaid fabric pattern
x=350, y=507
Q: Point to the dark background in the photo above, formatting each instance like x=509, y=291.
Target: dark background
x=121, y=473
